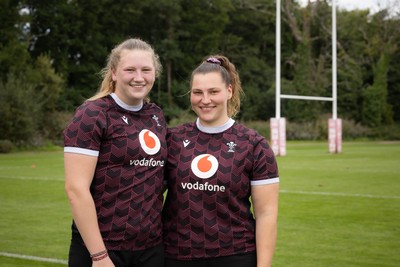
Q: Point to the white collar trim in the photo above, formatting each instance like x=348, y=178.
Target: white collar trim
x=215, y=129
x=125, y=106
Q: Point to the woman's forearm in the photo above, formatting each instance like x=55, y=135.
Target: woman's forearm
x=266, y=232
x=85, y=217
x=79, y=171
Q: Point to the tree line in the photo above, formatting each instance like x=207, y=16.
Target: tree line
x=52, y=51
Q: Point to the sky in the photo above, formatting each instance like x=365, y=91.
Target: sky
x=373, y=5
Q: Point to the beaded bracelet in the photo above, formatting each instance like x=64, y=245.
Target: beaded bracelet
x=99, y=258
x=98, y=253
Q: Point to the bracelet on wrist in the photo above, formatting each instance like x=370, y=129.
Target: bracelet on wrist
x=94, y=255
x=99, y=258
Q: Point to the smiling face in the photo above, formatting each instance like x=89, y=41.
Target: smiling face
x=209, y=97
x=134, y=76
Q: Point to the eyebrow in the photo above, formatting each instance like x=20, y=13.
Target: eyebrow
x=208, y=89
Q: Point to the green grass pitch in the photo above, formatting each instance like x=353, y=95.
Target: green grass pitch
x=334, y=209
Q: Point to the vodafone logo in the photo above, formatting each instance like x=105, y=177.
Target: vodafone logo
x=204, y=166
x=149, y=142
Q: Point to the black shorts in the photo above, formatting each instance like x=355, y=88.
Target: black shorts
x=240, y=260
x=79, y=256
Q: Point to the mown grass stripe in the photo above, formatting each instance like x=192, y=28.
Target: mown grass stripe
x=31, y=178
x=33, y=258
x=338, y=194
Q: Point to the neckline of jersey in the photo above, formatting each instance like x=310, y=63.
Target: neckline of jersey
x=125, y=106
x=215, y=129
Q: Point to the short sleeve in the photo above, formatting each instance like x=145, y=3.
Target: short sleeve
x=84, y=132
x=265, y=168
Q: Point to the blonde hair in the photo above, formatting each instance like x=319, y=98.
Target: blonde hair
x=108, y=85
x=222, y=65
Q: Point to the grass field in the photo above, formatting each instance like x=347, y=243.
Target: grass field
x=335, y=210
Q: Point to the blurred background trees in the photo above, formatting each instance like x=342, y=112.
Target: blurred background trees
x=51, y=53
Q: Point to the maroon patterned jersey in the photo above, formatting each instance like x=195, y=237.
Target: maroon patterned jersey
x=209, y=176
x=128, y=180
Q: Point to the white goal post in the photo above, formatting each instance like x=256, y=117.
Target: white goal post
x=278, y=124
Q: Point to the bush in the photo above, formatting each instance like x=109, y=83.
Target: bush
x=185, y=116
x=313, y=130
x=262, y=127
x=19, y=109
x=5, y=146
x=55, y=125
x=386, y=132
x=303, y=131
x=352, y=130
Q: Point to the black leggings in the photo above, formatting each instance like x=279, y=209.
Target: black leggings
x=241, y=260
x=152, y=257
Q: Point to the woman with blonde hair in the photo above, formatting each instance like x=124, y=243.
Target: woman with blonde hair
x=114, y=156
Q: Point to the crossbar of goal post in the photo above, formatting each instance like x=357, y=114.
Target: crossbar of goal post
x=278, y=124
x=318, y=98
x=278, y=127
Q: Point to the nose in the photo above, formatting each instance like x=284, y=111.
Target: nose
x=206, y=98
x=138, y=76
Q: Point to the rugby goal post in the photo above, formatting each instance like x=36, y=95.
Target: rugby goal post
x=278, y=124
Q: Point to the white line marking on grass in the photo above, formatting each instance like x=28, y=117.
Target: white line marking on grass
x=338, y=194
x=31, y=178
x=33, y=258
